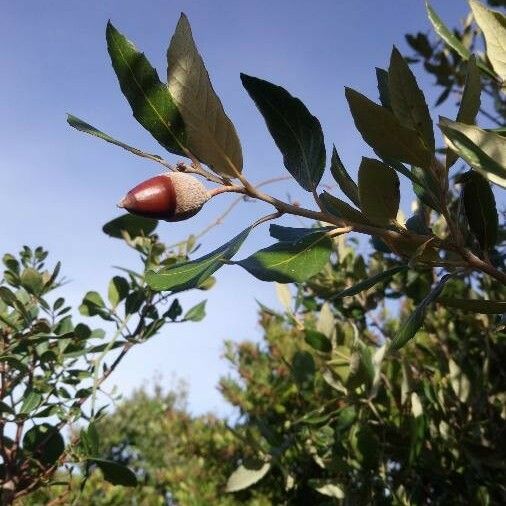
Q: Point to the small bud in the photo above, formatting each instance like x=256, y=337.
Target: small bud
x=172, y=196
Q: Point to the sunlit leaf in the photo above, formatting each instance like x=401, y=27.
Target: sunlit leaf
x=244, y=477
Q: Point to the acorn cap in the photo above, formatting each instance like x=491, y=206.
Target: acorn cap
x=172, y=196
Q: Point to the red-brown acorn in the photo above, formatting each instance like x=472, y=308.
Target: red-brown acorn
x=172, y=196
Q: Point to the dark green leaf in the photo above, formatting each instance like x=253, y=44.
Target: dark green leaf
x=295, y=131
x=151, y=103
x=343, y=179
x=115, y=473
x=294, y=234
x=415, y=320
x=384, y=93
x=378, y=186
x=385, y=134
x=45, y=443
x=175, y=310
x=92, y=304
x=303, y=368
x=481, y=212
x=31, y=280
x=287, y=262
x=343, y=210
x=370, y=282
x=196, y=313
x=474, y=306
x=407, y=100
x=133, y=225
x=118, y=290
x=318, y=341
x=189, y=275
x=31, y=402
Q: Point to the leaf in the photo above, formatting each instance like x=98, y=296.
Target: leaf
x=407, y=100
x=115, y=473
x=149, y=98
x=211, y=136
x=303, y=369
x=294, y=233
x=296, y=132
x=446, y=35
x=318, y=341
x=45, y=443
x=287, y=262
x=493, y=26
x=92, y=304
x=343, y=179
x=469, y=104
x=385, y=134
x=370, y=282
x=134, y=226
x=384, y=93
x=481, y=212
x=196, y=313
x=284, y=296
x=191, y=274
x=31, y=280
x=341, y=209
x=474, y=306
x=82, y=126
x=328, y=488
x=175, y=310
x=483, y=151
x=244, y=477
x=378, y=186
x=460, y=383
x=118, y=290
x=415, y=320
x=31, y=402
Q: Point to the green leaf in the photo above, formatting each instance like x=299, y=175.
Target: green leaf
x=211, y=136
x=92, y=304
x=31, y=402
x=115, y=473
x=415, y=320
x=483, y=151
x=469, y=104
x=189, y=275
x=474, y=306
x=370, y=282
x=385, y=134
x=287, y=262
x=118, y=290
x=446, y=35
x=407, y=100
x=151, y=103
x=493, y=26
x=303, y=369
x=341, y=209
x=175, y=310
x=134, y=226
x=425, y=185
x=343, y=179
x=31, y=280
x=82, y=126
x=196, y=313
x=244, y=477
x=378, y=186
x=292, y=234
x=296, y=132
x=384, y=93
x=45, y=443
x=318, y=341
x=481, y=211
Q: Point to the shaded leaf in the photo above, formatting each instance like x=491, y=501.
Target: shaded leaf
x=474, y=306
x=303, y=369
x=149, y=98
x=341, y=209
x=210, y=134
x=287, y=262
x=407, y=100
x=115, y=473
x=318, y=341
x=483, y=151
x=384, y=133
x=384, y=93
x=45, y=443
x=175, y=310
x=134, y=226
x=481, y=212
x=378, y=186
x=191, y=274
x=118, y=290
x=343, y=179
x=370, y=282
x=493, y=26
x=294, y=233
x=415, y=320
x=244, y=477
x=296, y=132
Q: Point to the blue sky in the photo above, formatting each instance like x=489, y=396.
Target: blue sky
x=58, y=187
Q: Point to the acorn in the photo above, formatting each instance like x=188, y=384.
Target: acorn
x=172, y=196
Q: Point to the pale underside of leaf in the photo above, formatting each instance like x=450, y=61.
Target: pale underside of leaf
x=211, y=136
